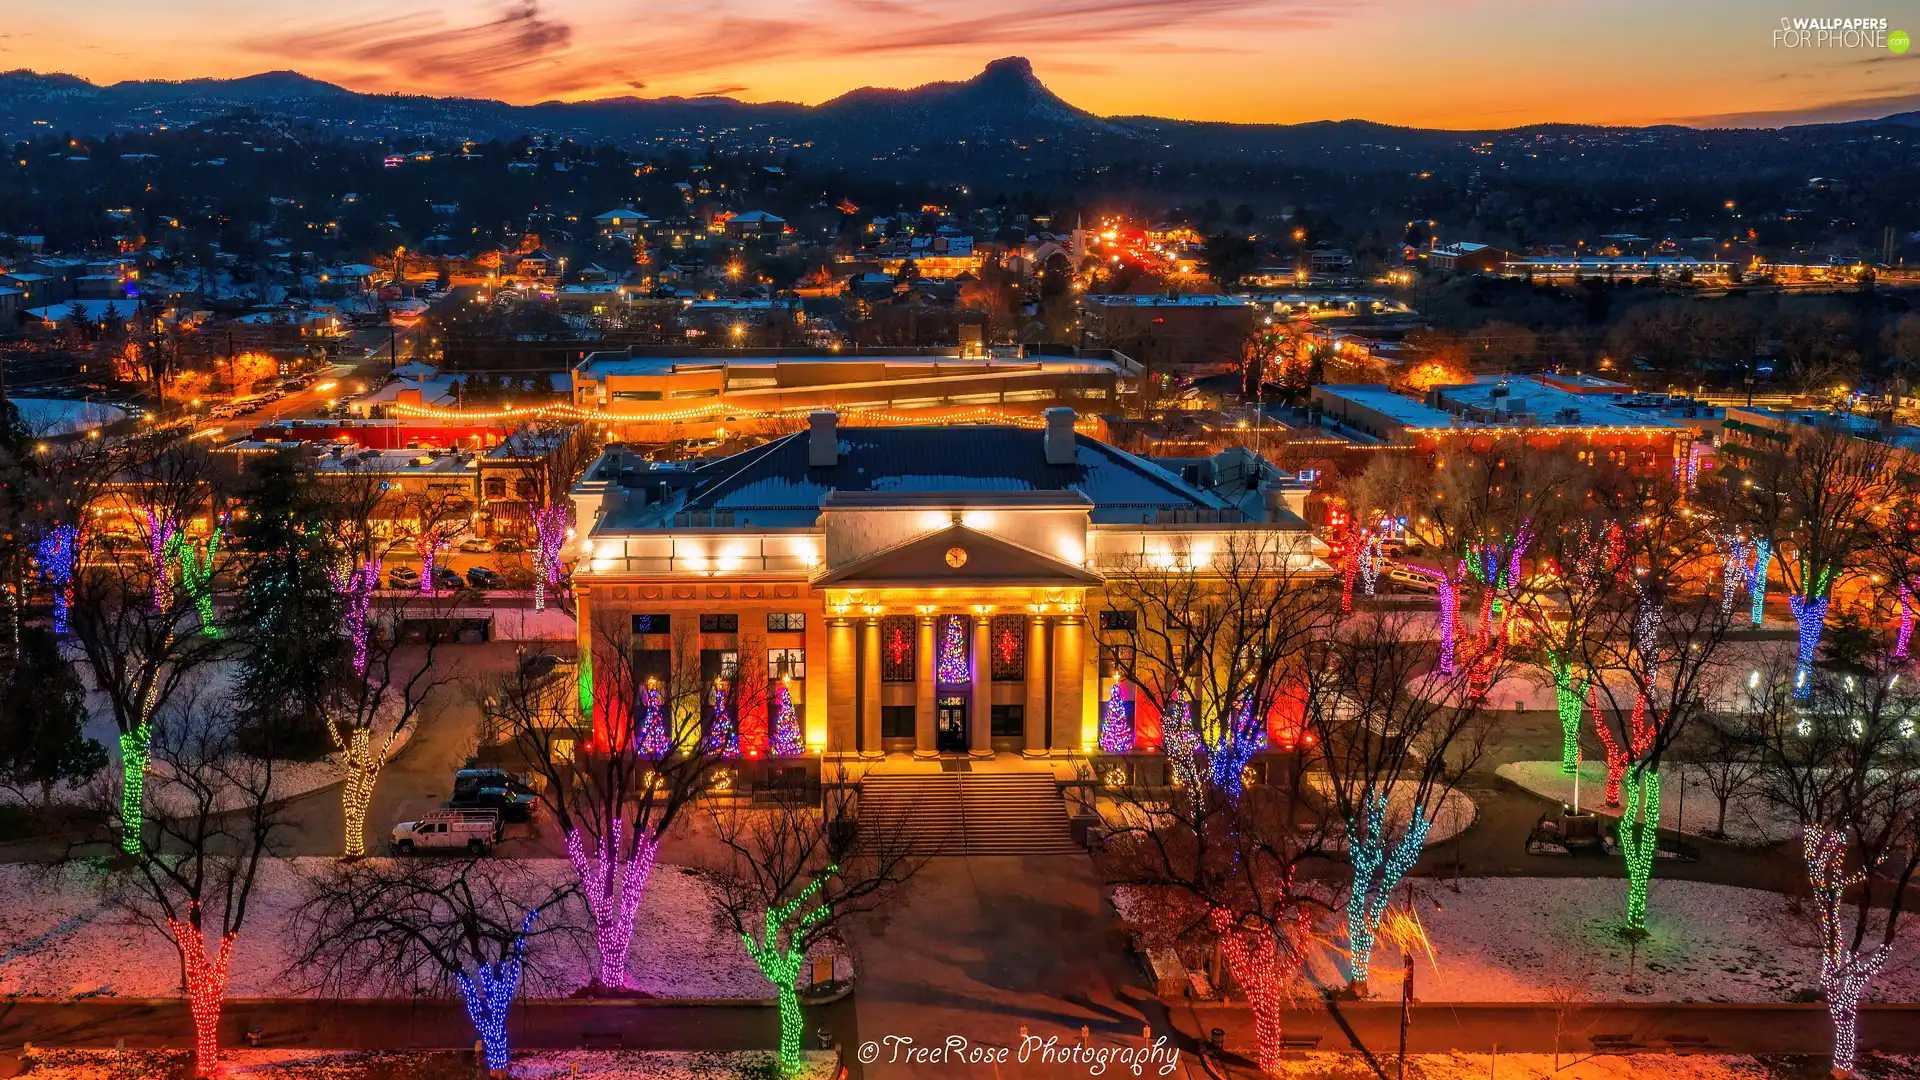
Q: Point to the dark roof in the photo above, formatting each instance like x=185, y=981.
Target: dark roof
x=762, y=483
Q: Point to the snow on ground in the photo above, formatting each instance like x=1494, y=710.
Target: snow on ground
x=71, y=934
x=290, y=778
x=1545, y=939
x=1319, y=1066
x=1457, y=811
x=355, y=1064
x=1750, y=818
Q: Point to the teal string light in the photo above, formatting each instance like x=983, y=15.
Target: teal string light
x=1377, y=871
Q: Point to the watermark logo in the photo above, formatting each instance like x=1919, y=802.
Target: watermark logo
x=1811, y=32
x=1157, y=1056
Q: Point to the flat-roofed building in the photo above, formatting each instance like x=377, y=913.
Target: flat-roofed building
x=666, y=393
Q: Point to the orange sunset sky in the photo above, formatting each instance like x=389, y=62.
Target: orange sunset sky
x=1435, y=63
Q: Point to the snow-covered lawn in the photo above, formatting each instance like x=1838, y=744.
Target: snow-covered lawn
x=64, y=932
x=1317, y=1066
x=1750, y=819
x=357, y=1064
x=1545, y=939
x=1456, y=812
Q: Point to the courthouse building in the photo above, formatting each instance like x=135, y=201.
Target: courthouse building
x=918, y=589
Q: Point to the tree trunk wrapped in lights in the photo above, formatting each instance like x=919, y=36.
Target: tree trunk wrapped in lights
x=1377, y=871
x=1449, y=614
x=161, y=527
x=58, y=552
x=135, y=751
x=196, y=574
x=1810, y=613
x=1638, y=740
x=357, y=587
x=206, y=985
x=780, y=955
x=361, y=762
x=1757, y=578
x=1263, y=965
x=613, y=881
x=488, y=994
x=1903, y=636
x=550, y=532
x=1844, y=970
x=1569, y=700
x=1639, y=838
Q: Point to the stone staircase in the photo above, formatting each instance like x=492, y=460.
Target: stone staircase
x=973, y=813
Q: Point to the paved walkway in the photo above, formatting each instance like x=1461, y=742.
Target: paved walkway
x=988, y=946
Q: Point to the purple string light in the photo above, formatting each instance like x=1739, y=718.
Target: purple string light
x=787, y=738
x=1904, y=636
x=160, y=530
x=1449, y=613
x=357, y=586
x=612, y=883
x=549, y=531
x=653, y=720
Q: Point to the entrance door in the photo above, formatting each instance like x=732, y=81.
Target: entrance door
x=950, y=725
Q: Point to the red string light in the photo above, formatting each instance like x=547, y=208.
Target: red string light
x=206, y=984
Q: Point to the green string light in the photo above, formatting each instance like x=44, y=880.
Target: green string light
x=781, y=963
x=1639, y=837
x=1569, y=698
x=134, y=751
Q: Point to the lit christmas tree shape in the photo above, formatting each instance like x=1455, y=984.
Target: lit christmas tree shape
x=953, y=668
x=489, y=992
x=1116, y=727
x=653, y=741
x=723, y=737
x=788, y=741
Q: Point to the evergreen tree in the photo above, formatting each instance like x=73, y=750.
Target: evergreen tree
x=43, y=717
x=289, y=614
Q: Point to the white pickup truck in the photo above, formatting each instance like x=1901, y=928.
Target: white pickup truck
x=475, y=831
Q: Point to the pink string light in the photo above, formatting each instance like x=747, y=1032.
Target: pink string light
x=612, y=883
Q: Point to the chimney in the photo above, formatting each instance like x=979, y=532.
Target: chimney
x=823, y=439
x=1059, y=437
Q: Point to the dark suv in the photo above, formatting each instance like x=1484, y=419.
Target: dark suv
x=509, y=794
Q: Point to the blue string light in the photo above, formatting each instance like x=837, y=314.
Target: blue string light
x=489, y=994
x=1116, y=728
x=57, y=551
x=1227, y=758
x=953, y=652
x=1811, y=613
x=1757, y=577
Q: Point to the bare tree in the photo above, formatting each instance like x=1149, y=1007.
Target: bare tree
x=367, y=708
x=1396, y=734
x=793, y=876
x=484, y=928
x=548, y=458
x=1842, y=760
x=1656, y=653
x=621, y=762
x=1818, y=502
x=1209, y=637
x=1229, y=876
x=196, y=866
x=139, y=659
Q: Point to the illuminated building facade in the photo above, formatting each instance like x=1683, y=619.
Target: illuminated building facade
x=922, y=590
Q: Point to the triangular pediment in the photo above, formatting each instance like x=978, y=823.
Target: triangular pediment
x=956, y=555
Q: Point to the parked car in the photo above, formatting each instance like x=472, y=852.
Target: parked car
x=403, y=577
x=508, y=545
x=483, y=577
x=445, y=577
x=510, y=795
x=475, y=831
x=1408, y=581
x=476, y=545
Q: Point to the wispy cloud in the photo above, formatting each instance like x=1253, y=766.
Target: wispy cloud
x=520, y=48
x=1831, y=112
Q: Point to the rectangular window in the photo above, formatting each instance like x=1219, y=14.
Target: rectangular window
x=719, y=624
x=637, y=395
x=787, y=663
x=896, y=721
x=1007, y=642
x=786, y=620
x=1112, y=619
x=1009, y=721
x=653, y=624
x=897, y=644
